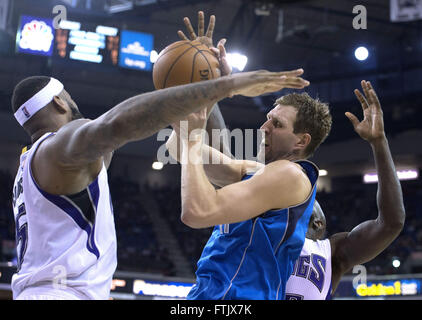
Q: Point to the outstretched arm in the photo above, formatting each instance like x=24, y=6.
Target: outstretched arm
x=83, y=142
x=370, y=238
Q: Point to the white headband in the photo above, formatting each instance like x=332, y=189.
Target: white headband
x=38, y=101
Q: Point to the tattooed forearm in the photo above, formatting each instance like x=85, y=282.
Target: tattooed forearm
x=143, y=115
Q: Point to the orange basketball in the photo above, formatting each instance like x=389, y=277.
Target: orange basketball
x=184, y=62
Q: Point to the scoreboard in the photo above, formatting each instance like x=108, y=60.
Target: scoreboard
x=96, y=44
x=105, y=45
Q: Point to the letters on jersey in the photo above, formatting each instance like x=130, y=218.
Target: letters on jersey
x=311, y=276
x=68, y=237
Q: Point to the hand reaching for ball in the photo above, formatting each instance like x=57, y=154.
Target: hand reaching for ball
x=256, y=83
x=206, y=39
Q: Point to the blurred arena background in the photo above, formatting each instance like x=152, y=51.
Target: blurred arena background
x=103, y=54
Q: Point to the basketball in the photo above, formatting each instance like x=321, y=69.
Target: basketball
x=184, y=62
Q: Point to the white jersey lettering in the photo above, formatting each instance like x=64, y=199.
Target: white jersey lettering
x=311, y=276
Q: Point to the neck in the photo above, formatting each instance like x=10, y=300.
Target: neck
x=291, y=157
x=39, y=133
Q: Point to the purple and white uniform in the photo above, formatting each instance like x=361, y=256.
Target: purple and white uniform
x=311, y=277
x=66, y=245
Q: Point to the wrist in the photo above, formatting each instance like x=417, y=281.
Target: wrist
x=192, y=141
x=192, y=151
x=381, y=140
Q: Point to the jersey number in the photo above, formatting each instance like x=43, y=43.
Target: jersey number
x=21, y=235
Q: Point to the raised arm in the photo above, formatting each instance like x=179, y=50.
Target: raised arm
x=371, y=237
x=216, y=122
x=139, y=117
x=204, y=206
x=221, y=168
x=226, y=171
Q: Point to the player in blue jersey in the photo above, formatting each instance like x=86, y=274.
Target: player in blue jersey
x=261, y=213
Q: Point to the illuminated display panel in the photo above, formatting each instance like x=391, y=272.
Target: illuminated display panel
x=87, y=42
x=35, y=36
x=135, y=50
x=380, y=288
x=402, y=287
x=162, y=289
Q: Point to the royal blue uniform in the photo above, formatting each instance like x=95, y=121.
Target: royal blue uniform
x=253, y=259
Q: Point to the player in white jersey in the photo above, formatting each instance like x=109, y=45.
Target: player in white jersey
x=65, y=232
x=311, y=276
x=80, y=264
x=323, y=261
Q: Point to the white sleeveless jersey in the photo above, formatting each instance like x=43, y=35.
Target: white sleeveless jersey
x=64, y=243
x=311, y=277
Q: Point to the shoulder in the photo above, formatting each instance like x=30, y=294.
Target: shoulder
x=338, y=256
x=62, y=137
x=283, y=167
x=53, y=151
x=336, y=239
x=285, y=172
x=72, y=126
x=279, y=174
x=285, y=182
x=65, y=131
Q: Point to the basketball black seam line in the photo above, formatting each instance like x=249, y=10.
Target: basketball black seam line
x=172, y=65
x=189, y=43
x=193, y=63
x=171, y=50
x=193, y=66
x=174, y=62
x=200, y=51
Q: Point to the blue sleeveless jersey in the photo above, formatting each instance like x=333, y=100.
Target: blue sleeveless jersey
x=253, y=259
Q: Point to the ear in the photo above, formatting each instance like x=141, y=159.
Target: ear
x=59, y=104
x=304, y=141
x=317, y=224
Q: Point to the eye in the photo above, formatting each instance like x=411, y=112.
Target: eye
x=277, y=124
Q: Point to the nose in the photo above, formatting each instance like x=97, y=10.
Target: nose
x=266, y=126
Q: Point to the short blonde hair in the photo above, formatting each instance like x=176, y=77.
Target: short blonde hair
x=313, y=117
